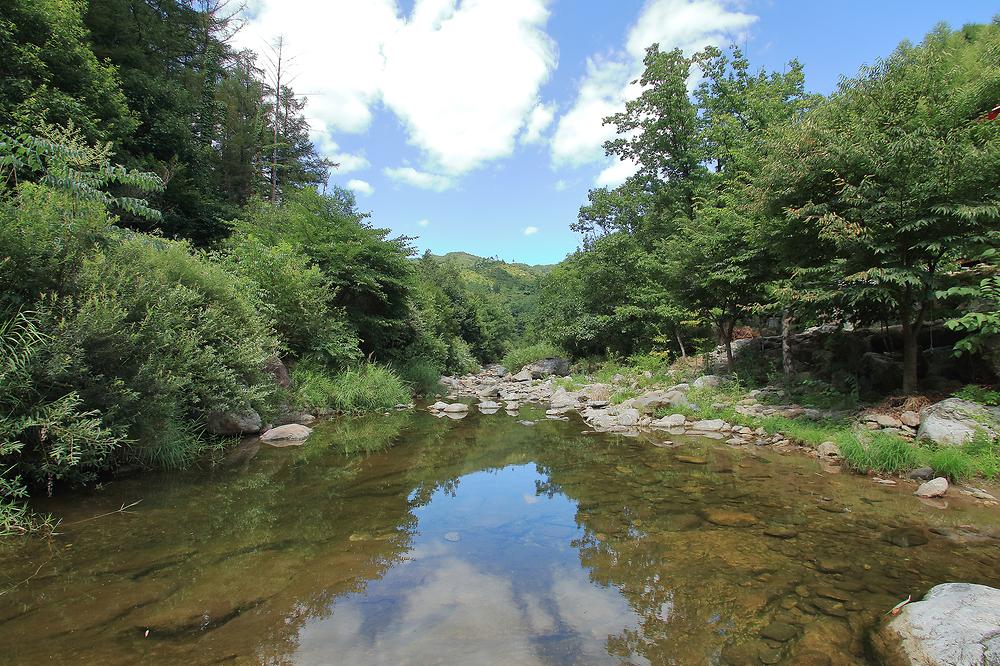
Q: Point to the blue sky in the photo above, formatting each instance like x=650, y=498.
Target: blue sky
x=474, y=125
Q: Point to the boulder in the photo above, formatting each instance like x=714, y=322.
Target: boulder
x=921, y=473
x=455, y=408
x=954, y=421
x=653, y=400
x=672, y=421
x=548, y=366
x=956, y=624
x=438, y=406
x=523, y=376
x=828, y=450
x=707, y=381
x=910, y=418
x=286, y=435
x=887, y=421
x=489, y=405
x=233, y=423
x=709, y=425
x=933, y=488
x=629, y=417
x=277, y=369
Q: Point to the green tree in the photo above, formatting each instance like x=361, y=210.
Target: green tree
x=898, y=174
x=48, y=73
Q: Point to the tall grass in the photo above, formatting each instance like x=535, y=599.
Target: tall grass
x=519, y=357
x=367, y=387
x=424, y=377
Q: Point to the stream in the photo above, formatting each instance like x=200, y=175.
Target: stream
x=410, y=539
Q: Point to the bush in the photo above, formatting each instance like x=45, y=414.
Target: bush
x=519, y=357
x=297, y=297
x=365, y=388
x=144, y=336
x=41, y=440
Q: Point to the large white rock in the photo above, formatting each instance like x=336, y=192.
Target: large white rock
x=523, y=376
x=956, y=624
x=709, y=425
x=707, y=381
x=954, y=421
x=284, y=435
x=456, y=408
x=672, y=421
x=933, y=488
x=629, y=417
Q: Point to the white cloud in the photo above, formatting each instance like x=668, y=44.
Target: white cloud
x=360, y=186
x=530, y=231
x=539, y=120
x=688, y=24
x=561, y=185
x=463, y=77
x=346, y=162
x=422, y=179
x=423, y=223
x=616, y=173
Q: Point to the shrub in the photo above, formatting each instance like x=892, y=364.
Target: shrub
x=519, y=357
x=41, y=440
x=297, y=297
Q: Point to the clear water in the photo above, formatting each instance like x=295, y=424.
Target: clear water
x=414, y=540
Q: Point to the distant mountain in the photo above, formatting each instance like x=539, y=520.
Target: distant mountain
x=514, y=284
x=466, y=260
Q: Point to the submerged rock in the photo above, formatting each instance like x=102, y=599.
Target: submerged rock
x=906, y=537
x=956, y=624
x=726, y=518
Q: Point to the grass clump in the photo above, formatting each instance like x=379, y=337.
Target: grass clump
x=367, y=387
x=422, y=376
x=517, y=358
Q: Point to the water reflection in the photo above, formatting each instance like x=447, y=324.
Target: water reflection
x=491, y=577
x=411, y=539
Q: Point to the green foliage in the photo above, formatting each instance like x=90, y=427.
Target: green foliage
x=50, y=74
x=143, y=335
x=880, y=453
x=981, y=319
x=423, y=376
x=297, y=295
x=42, y=439
x=364, y=388
x=370, y=275
x=980, y=394
x=895, y=177
x=63, y=160
x=517, y=358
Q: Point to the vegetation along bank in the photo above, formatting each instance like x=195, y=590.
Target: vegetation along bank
x=176, y=273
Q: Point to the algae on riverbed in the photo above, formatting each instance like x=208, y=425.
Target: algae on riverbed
x=481, y=539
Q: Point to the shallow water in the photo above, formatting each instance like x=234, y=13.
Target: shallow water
x=414, y=540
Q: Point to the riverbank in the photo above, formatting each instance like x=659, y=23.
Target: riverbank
x=905, y=446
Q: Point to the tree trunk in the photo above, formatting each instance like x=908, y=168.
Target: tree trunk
x=911, y=348
x=787, y=364
x=727, y=338
x=680, y=343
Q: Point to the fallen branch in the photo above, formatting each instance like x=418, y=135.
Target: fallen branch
x=124, y=509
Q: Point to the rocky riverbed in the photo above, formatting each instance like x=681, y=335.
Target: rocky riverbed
x=665, y=410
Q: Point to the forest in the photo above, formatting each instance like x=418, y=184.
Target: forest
x=173, y=255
